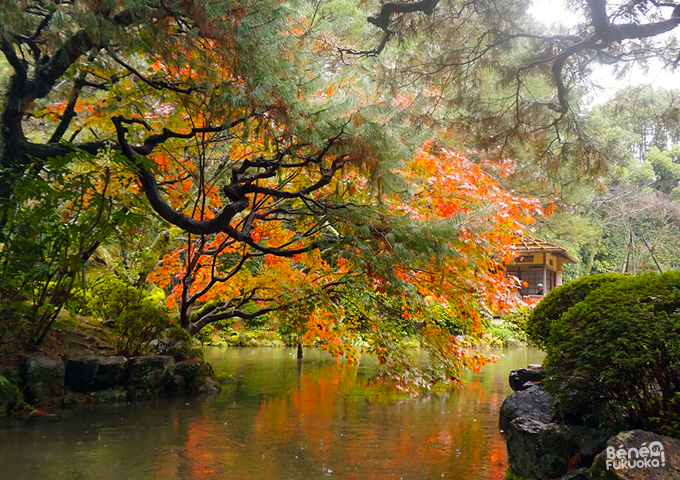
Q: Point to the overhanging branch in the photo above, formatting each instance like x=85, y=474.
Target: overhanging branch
x=382, y=19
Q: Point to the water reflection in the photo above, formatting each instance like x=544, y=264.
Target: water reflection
x=276, y=421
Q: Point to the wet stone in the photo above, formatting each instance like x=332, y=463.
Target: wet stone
x=43, y=377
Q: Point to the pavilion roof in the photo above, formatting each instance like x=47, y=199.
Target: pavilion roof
x=528, y=245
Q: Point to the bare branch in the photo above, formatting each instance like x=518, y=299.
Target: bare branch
x=153, y=83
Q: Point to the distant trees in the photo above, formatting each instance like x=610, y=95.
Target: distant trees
x=506, y=85
x=645, y=117
x=631, y=221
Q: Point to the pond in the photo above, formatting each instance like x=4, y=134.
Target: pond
x=276, y=421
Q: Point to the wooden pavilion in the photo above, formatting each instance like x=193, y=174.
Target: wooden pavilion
x=539, y=262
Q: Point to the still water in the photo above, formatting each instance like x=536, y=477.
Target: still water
x=275, y=421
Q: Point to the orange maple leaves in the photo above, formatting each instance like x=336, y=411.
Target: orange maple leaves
x=448, y=186
x=462, y=272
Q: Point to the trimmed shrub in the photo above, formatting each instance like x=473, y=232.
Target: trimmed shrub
x=560, y=300
x=615, y=356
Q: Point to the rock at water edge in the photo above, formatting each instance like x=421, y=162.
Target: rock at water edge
x=660, y=460
x=150, y=373
x=538, y=450
x=80, y=373
x=111, y=373
x=532, y=403
x=518, y=378
x=43, y=377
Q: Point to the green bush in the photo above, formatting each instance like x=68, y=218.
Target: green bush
x=513, y=325
x=615, y=356
x=13, y=314
x=445, y=317
x=138, y=326
x=110, y=297
x=495, y=335
x=560, y=300
x=138, y=316
x=517, y=320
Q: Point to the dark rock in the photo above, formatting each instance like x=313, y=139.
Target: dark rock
x=189, y=369
x=81, y=373
x=176, y=384
x=580, y=474
x=205, y=385
x=198, y=376
x=179, y=350
x=150, y=373
x=108, y=323
x=590, y=442
x=518, y=378
x=538, y=450
x=111, y=373
x=660, y=461
x=43, y=377
x=531, y=403
x=88, y=374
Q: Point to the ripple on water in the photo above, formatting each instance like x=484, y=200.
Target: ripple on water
x=275, y=421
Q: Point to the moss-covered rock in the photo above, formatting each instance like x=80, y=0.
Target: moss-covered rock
x=150, y=373
x=43, y=378
x=189, y=370
x=199, y=377
x=205, y=385
x=111, y=395
x=628, y=447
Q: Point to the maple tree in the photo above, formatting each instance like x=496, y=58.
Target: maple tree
x=287, y=177
x=348, y=267
x=89, y=78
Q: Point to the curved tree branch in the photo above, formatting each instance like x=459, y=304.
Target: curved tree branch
x=382, y=19
x=200, y=227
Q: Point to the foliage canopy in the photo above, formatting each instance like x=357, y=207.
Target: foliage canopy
x=298, y=183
